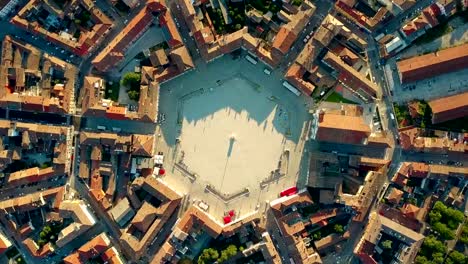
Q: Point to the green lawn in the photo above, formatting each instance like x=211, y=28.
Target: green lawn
x=337, y=98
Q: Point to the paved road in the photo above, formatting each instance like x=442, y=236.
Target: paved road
x=109, y=224
x=276, y=237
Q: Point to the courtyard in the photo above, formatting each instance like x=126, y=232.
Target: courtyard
x=233, y=136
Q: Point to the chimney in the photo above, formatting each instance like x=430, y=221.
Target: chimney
x=343, y=111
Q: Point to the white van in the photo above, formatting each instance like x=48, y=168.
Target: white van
x=392, y=116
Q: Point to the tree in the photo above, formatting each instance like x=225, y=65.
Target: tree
x=42, y=234
x=438, y=257
x=431, y=245
x=434, y=216
x=387, y=244
x=455, y=216
x=464, y=234
x=185, y=261
x=411, y=201
x=317, y=236
x=238, y=27
x=133, y=95
x=338, y=229
x=457, y=257
x=296, y=2
x=228, y=253
x=443, y=230
x=208, y=255
x=421, y=260
x=131, y=78
x=41, y=242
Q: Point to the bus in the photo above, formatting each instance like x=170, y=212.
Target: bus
x=291, y=88
x=251, y=59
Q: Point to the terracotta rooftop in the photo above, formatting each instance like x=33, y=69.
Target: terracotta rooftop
x=20, y=61
x=93, y=248
x=149, y=220
x=284, y=40
x=143, y=145
x=449, y=108
x=82, y=217
x=113, y=53
x=350, y=76
x=5, y=244
x=433, y=64
x=395, y=195
x=342, y=129
x=410, y=210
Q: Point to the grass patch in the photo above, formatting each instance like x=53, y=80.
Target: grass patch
x=337, y=98
x=112, y=91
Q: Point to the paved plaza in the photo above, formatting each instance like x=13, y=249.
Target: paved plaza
x=229, y=146
x=233, y=137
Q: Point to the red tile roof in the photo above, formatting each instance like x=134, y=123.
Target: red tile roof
x=284, y=40
x=174, y=39
x=113, y=53
x=449, y=108
x=433, y=64
x=342, y=129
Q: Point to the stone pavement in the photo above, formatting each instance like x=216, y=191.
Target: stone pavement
x=209, y=75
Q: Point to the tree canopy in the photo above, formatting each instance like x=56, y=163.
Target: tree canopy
x=338, y=229
x=132, y=81
x=209, y=255
x=387, y=244
x=456, y=257
x=228, y=253
x=444, y=220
